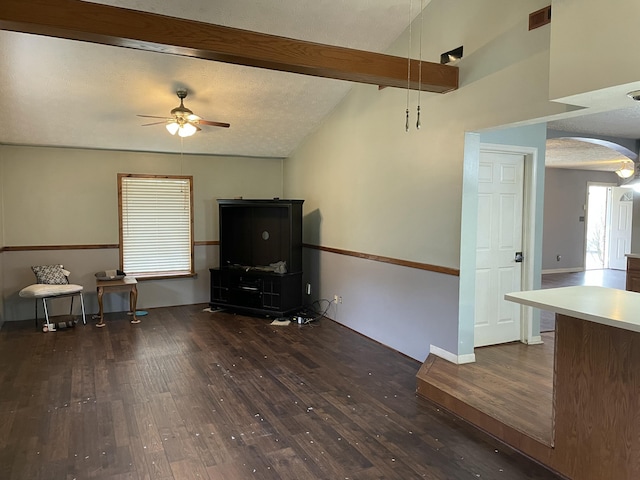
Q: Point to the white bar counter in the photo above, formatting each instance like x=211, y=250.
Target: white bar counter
x=607, y=306
x=596, y=382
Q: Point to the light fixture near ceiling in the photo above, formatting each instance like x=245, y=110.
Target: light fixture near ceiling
x=634, y=95
x=452, y=56
x=626, y=170
x=182, y=120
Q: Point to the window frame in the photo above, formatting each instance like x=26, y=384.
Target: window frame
x=160, y=275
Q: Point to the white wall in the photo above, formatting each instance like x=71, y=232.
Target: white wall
x=2, y=316
x=635, y=228
x=370, y=187
x=592, y=48
x=387, y=302
x=68, y=197
x=565, y=201
x=396, y=181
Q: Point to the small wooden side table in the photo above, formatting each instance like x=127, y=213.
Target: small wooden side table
x=128, y=284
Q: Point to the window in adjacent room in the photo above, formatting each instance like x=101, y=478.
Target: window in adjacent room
x=156, y=222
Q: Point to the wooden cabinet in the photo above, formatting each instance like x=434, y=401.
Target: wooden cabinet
x=260, y=256
x=256, y=292
x=633, y=273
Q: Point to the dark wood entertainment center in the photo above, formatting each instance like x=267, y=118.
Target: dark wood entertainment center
x=260, y=257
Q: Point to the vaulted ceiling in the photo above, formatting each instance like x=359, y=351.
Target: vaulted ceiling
x=62, y=92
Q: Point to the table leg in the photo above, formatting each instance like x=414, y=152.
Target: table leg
x=100, y=293
x=133, y=299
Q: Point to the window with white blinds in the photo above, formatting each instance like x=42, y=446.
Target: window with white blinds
x=155, y=225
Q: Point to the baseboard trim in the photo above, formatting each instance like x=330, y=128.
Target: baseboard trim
x=452, y=357
x=563, y=270
x=535, y=340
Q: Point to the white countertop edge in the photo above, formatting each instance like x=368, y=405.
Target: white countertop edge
x=607, y=306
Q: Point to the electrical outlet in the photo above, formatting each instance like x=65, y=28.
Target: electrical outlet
x=339, y=299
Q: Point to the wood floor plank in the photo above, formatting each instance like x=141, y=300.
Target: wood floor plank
x=192, y=394
x=512, y=383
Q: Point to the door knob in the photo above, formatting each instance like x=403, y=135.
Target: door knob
x=519, y=257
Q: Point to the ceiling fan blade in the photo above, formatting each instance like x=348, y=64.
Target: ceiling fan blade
x=154, y=123
x=153, y=116
x=213, y=124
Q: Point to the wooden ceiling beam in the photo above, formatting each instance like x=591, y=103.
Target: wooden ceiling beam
x=107, y=25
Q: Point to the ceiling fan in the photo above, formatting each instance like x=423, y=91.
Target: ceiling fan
x=182, y=120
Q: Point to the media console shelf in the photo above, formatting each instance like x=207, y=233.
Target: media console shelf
x=260, y=256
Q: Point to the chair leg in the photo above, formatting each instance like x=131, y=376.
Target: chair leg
x=71, y=308
x=50, y=326
x=84, y=320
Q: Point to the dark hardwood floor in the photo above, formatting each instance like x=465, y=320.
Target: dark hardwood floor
x=189, y=394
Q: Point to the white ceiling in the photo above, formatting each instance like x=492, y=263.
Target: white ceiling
x=66, y=93
x=622, y=123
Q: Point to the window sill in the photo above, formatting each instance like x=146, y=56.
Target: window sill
x=143, y=278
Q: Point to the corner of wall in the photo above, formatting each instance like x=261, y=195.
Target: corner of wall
x=2, y=176
x=452, y=357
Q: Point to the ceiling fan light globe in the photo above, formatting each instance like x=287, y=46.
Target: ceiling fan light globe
x=172, y=127
x=624, y=173
x=187, y=130
x=626, y=170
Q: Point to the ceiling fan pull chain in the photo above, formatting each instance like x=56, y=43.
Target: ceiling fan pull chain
x=406, y=126
x=418, y=125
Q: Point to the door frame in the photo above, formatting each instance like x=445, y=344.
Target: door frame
x=530, y=154
x=607, y=219
x=613, y=216
x=586, y=219
x=532, y=240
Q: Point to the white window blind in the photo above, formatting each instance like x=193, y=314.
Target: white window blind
x=155, y=225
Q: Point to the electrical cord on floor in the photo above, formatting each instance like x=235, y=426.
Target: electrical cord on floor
x=313, y=312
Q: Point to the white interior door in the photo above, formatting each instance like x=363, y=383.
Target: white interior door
x=500, y=211
x=620, y=227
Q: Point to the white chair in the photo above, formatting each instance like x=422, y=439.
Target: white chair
x=52, y=282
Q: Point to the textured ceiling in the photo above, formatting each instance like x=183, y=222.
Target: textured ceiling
x=73, y=94
x=67, y=93
x=622, y=123
x=573, y=153
x=616, y=115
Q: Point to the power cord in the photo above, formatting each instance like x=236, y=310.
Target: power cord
x=313, y=312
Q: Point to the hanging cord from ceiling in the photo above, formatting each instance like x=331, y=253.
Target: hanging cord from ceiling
x=406, y=125
x=418, y=125
x=181, y=154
